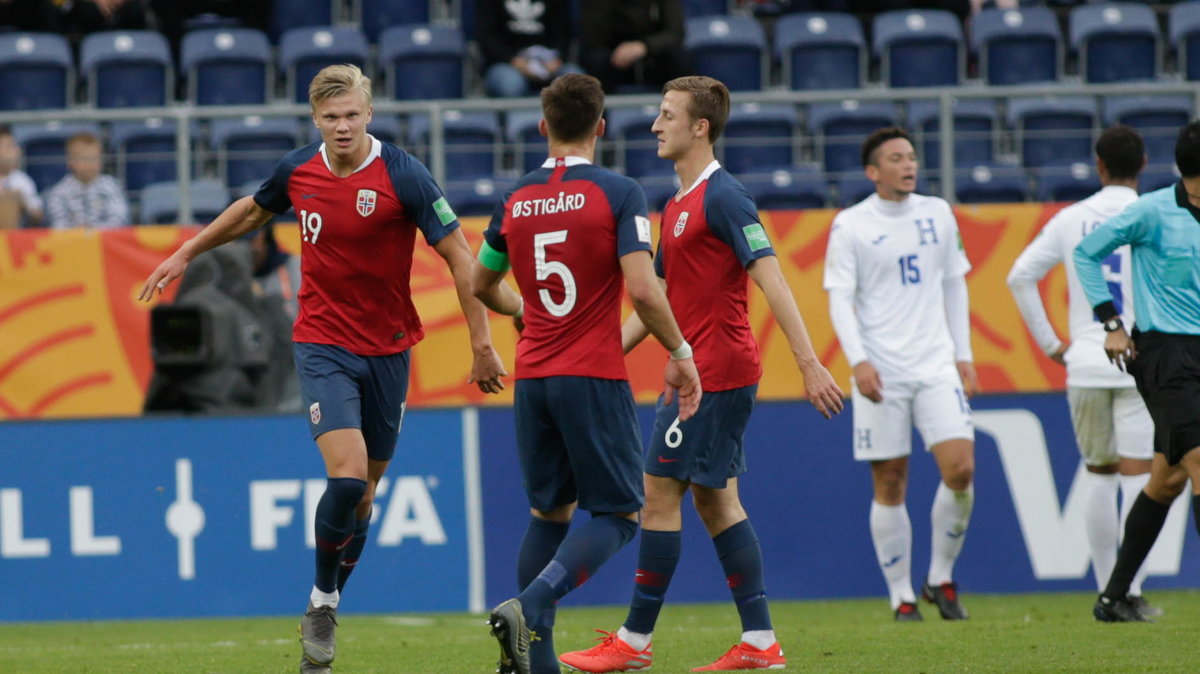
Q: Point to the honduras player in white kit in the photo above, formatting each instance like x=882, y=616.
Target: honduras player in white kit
x=895, y=271
x=1112, y=426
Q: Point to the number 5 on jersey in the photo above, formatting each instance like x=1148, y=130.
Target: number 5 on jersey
x=545, y=270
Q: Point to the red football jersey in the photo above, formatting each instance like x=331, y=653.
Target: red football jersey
x=357, y=235
x=565, y=227
x=709, y=236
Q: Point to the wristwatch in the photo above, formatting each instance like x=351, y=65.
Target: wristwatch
x=1113, y=324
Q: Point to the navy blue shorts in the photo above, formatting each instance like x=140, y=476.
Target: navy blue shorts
x=578, y=440
x=345, y=390
x=706, y=449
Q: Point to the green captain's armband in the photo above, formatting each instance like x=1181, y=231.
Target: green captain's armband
x=492, y=258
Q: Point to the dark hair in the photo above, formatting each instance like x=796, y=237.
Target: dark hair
x=5, y=130
x=1187, y=150
x=572, y=105
x=1122, y=151
x=710, y=100
x=879, y=137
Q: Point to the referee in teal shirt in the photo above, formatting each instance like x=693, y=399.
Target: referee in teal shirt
x=1162, y=229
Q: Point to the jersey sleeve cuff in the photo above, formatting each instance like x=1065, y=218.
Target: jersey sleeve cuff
x=1105, y=310
x=492, y=258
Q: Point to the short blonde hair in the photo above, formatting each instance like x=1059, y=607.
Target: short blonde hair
x=338, y=80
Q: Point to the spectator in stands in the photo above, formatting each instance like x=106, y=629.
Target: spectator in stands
x=172, y=16
x=20, y=204
x=85, y=197
x=633, y=44
x=29, y=15
x=81, y=17
x=524, y=44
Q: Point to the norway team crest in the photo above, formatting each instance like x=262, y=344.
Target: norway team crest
x=681, y=223
x=314, y=413
x=366, y=202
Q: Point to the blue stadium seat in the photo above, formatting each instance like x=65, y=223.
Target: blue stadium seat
x=975, y=129
x=127, y=68
x=1184, y=27
x=853, y=187
x=472, y=142
x=227, y=66
x=304, y=51
x=423, y=62
x=1052, y=131
x=145, y=150
x=36, y=71
x=787, y=189
x=249, y=148
x=383, y=126
x=990, y=183
x=160, y=202
x=1067, y=182
x=705, y=7
x=1156, y=179
x=521, y=132
x=44, y=145
x=839, y=129
x=821, y=51
x=732, y=49
x=637, y=147
x=759, y=137
x=1017, y=46
x=1157, y=118
x=289, y=14
x=477, y=197
x=376, y=15
x=1116, y=41
x=659, y=190
x=919, y=48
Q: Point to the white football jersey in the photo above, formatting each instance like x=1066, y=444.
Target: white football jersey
x=895, y=255
x=1087, y=365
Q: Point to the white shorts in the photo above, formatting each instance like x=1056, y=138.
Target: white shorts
x=1110, y=423
x=937, y=407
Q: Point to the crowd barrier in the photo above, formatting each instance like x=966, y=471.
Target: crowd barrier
x=76, y=340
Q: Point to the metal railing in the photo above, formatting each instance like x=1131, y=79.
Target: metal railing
x=184, y=114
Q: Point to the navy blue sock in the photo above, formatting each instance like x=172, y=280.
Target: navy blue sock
x=353, y=551
x=542, y=538
x=657, y=557
x=579, y=556
x=335, y=527
x=741, y=558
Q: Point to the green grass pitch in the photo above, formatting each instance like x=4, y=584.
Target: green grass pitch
x=1009, y=633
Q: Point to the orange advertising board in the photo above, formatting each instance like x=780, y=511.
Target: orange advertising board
x=74, y=342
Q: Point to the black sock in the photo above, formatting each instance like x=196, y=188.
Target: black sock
x=1141, y=530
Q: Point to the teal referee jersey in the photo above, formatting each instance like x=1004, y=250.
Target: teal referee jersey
x=1163, y=230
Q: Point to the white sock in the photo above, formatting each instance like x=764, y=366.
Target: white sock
x=319, y=598
x=948, y=518
x=1131, y=486
x=759, y=639
x=891, y=531
x=636, y=640
x=1100, y=523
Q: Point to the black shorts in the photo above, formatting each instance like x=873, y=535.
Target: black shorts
x=1167, y=372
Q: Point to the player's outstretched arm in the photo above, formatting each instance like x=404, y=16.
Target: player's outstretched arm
x=822, y=390
x=650, y=304
x=486, y=368
x=240, y=217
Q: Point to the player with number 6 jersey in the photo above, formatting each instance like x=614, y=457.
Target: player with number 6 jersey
x=572, y=233
x=360, y=203
x=895, y=271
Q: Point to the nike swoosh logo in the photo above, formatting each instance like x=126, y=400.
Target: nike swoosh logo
x=881, y=238
x=308, y=196
x=892, y=562
x=662, y=459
